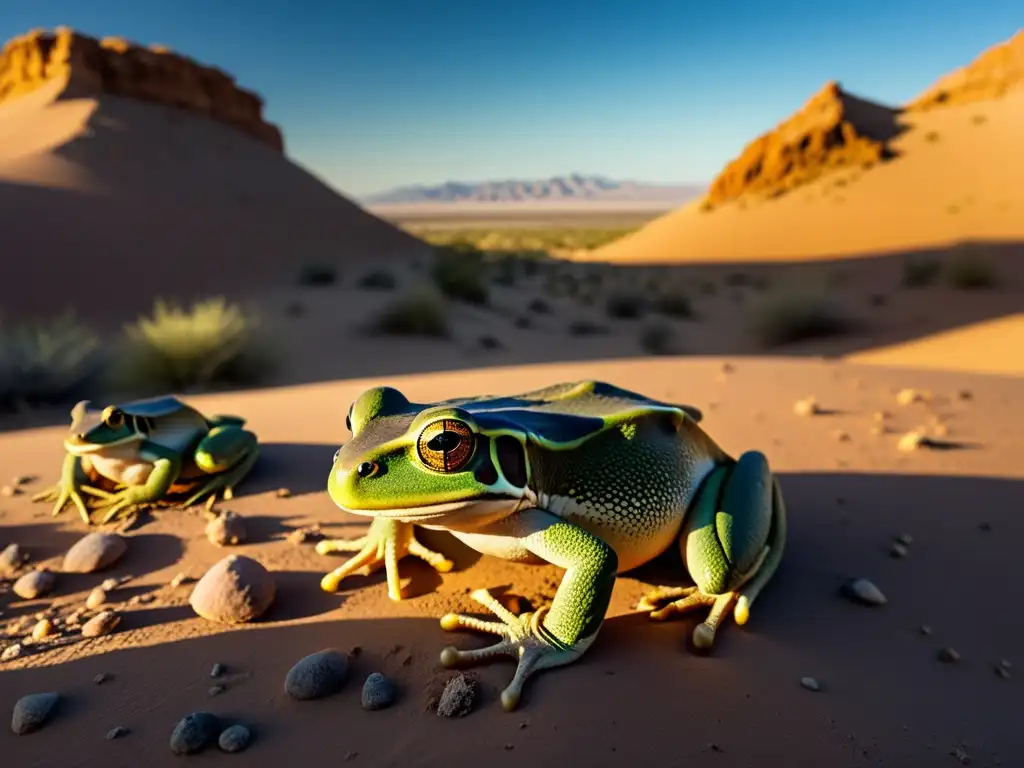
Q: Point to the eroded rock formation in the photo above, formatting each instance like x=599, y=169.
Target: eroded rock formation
x=833, y=129
x=121, y=68
x=992, y=75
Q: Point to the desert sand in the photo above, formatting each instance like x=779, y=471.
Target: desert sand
x=639, y=694
x=117, y=178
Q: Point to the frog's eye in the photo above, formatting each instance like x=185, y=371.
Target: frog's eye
x=446, y=445
x=112, y=417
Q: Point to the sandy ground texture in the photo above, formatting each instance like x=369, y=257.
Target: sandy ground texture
x=640, y=694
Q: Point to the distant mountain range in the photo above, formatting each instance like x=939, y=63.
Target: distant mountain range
x=573, y=188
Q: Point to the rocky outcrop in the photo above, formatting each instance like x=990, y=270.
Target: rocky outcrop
x=992, y=75
x=118, y=67
x=833, y=129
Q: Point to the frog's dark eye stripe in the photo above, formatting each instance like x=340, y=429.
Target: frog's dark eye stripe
x=512, y=460
x=445, y=445
x=485, y=473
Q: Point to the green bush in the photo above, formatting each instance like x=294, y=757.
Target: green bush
x=625, y=306
x=920, y=272
x=787, y=319
x=378, y=280
x=418, y=313
x=968, y=270
x=210, y=345
x=657, y=339
x=674, y=305
x=47, y=363
x=461, y=274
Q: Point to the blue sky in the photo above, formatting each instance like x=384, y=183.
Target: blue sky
x=376, y=94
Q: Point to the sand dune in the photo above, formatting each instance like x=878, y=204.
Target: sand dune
x=105, y=196
x=640, y=695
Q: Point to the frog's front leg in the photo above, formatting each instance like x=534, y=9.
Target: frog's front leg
x=73, y=483
x=557, y=634
x=166, y=468
x=387, y=542
x=228, y=453
x=732, y=543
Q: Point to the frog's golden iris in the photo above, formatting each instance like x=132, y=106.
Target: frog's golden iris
x=446, y=445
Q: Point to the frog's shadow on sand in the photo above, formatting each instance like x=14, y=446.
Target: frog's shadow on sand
x=300, y=467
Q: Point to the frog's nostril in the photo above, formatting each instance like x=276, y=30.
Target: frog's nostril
x=366, y=468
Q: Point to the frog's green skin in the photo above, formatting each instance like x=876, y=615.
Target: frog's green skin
x=148, y=449
x=586, y=476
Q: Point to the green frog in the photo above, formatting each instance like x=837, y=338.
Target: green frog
x=586, y=476
x=146, y=450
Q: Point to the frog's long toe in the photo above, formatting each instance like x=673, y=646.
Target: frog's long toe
x=685, y=599
x=523, y=639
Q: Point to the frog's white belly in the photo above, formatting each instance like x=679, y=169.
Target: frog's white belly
x=121, y=467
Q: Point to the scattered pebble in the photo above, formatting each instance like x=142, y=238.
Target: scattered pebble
x=101, y=678
x=948, y=655
x=235, y=738
x=227, y=529
x=317, y=675
x=283, y=493
x=179, y=579
x=10, y=490
x=806, y=407
x=117, y=732
x=898, y=550
x=42, y=630
x=924, y=629
x=908, y=396
x=236, y=589
x=34, y=584
x=913, y=441
x=31, y=712
x=11, y=652
x=305, y=534
x=842, y=437
x=905, y=539
x=96, y=598
x=458, y=697
x=109, y=585
x=1001, y=671
x=103, y=623
x=810, y=684
x=965, y=394
x=961, y=754
x=75, y=618
x=194, y=733
x=215, y=690
x=864, y=592
x=11, y=560
x=880, y=416
x=379, y=692
x=217, y=669
x=94, y=552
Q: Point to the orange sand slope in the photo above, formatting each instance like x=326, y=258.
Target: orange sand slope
x=990, y=347
x=844, y=177
x=97, y=189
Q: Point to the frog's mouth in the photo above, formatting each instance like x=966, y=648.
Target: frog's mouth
x=78, y=445
x=477, y=511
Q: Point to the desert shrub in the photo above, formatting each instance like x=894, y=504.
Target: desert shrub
x=786, y=319
x=461, y=274
x=657, y=339
x=586, y=328
x=674, y=305
x=421, y=312
x=919, y=272
x=318, y=274
x=378, y=280
x=625, y=306
x=47, y=363
x=213, y=344
x=969, y=270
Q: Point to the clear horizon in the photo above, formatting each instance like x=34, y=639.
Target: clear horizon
x=656, y=93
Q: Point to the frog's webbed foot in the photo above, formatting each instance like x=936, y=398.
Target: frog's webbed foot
x=523, y=638
x=120, y=505
x=666, y=602
x=387, y=542
x=225, y=481
x=61, y=495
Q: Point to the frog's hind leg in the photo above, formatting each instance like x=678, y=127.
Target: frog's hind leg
x=228, y=453
x=732, y=544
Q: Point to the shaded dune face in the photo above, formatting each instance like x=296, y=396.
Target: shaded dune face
x=144, y=198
